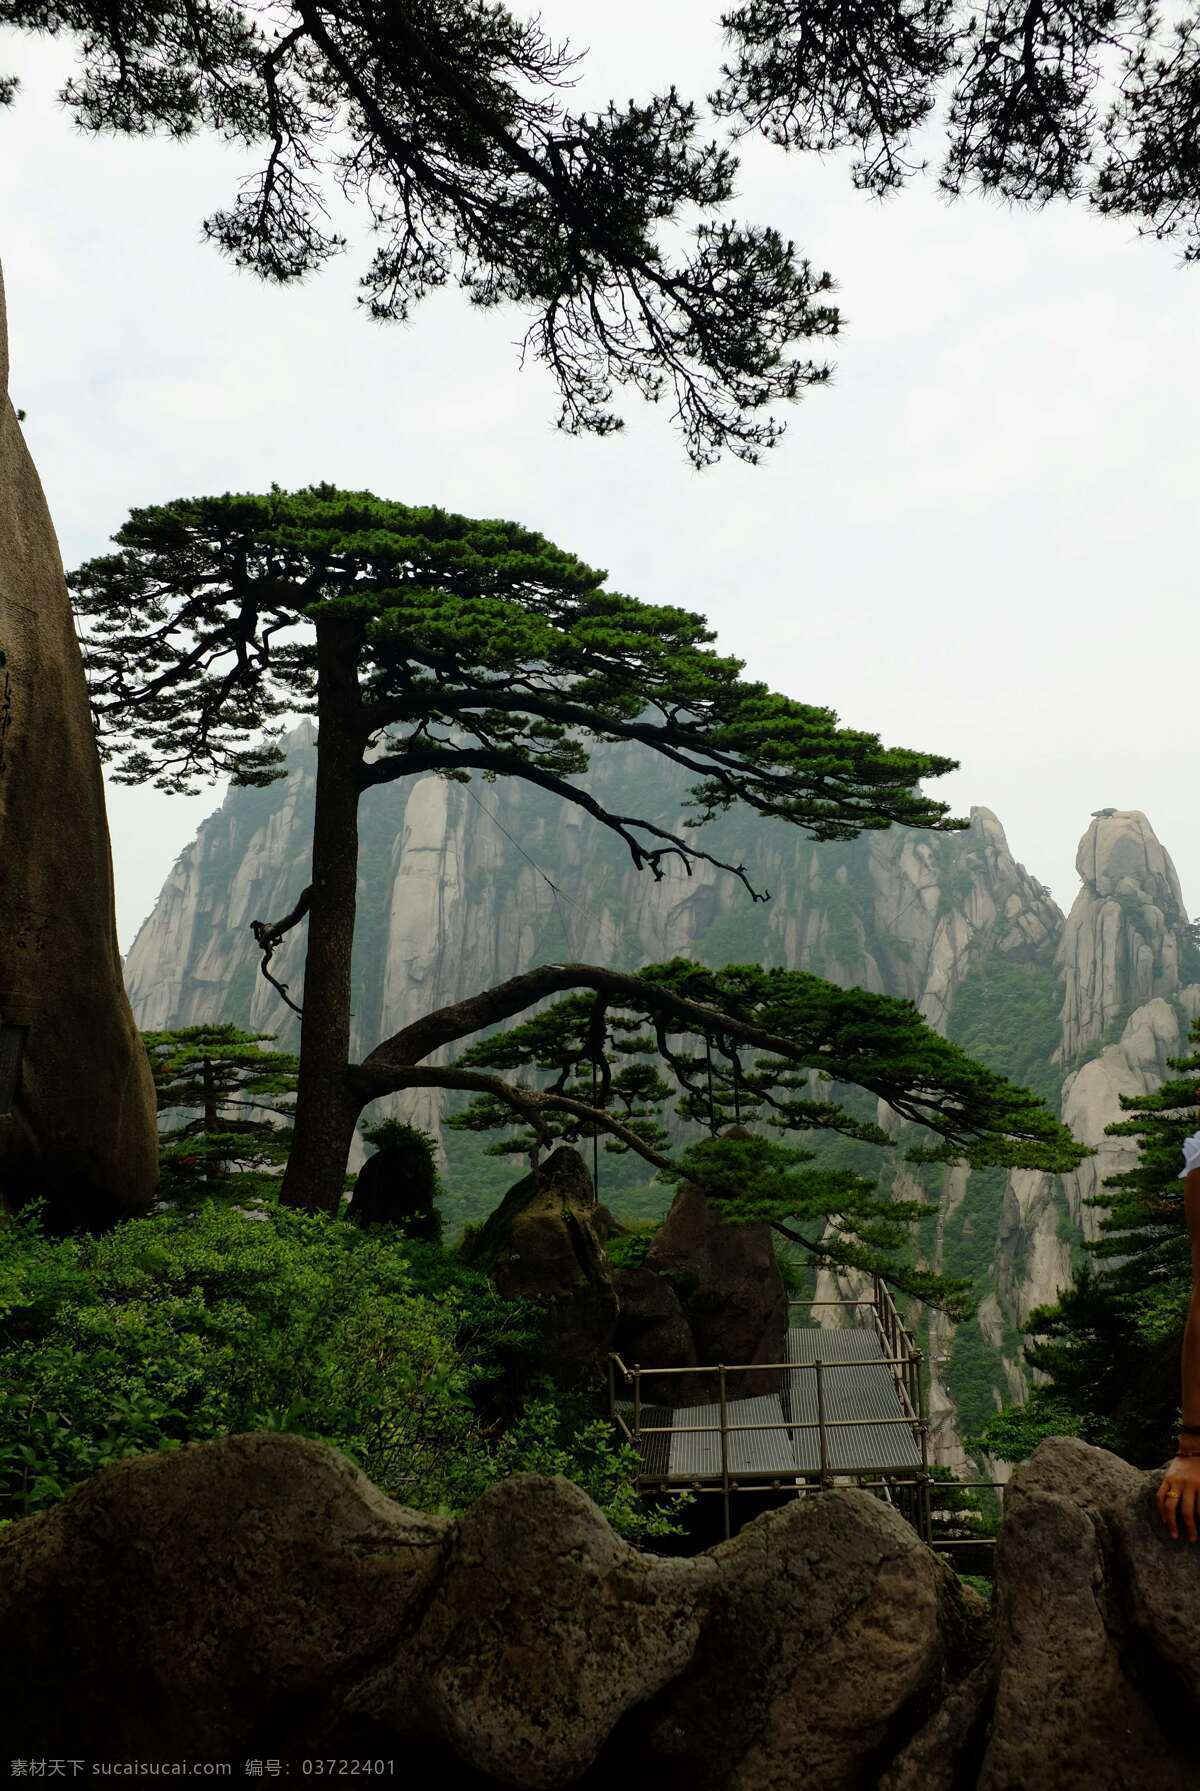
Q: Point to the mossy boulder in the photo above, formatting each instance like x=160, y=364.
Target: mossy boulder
x=541, y=1244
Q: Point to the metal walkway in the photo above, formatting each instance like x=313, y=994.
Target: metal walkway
x=852, y=1405
x=777, y=1442
x=856, y=1394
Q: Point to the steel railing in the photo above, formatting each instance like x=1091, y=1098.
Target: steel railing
x=900, y=1354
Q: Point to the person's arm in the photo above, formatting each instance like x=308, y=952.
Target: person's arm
x=1179, y=1489
x=1190, y=1359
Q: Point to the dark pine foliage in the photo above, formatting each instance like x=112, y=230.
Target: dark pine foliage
x=447, y=119
x=1040, y=100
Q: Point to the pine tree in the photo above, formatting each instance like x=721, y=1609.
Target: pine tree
x=235, y=1093
x=1111, y=1342
x=447, y=119
x=427, y=642
x=1039, y=100
x=593, y=1065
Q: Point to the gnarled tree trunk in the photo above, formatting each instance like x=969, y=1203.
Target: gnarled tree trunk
x=326, y=1109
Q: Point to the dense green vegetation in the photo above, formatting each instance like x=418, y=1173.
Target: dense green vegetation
x=1111, y=1343
x=183, y=1327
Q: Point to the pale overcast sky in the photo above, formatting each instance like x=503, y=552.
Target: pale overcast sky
x=975, y=542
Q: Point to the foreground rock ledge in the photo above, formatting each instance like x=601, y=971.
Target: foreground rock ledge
x=258, y=1597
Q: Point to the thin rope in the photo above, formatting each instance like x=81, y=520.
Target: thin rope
x=595, y=1146
x=551, y=885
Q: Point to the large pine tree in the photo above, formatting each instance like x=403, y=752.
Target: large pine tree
x=427, y=642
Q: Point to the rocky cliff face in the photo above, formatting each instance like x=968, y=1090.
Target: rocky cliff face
x=76, y=1097
x=449, y=902
x=455, y=893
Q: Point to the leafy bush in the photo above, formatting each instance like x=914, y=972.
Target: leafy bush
x=628, y=1248
x=183, y=1327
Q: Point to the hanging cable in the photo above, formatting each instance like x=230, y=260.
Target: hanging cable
x=712, y=1108
x=551, y=885
x=595, y=1146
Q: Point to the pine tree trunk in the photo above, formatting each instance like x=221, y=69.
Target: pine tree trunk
x=326, y=1111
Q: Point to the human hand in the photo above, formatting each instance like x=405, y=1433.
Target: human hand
x=1179, y=1495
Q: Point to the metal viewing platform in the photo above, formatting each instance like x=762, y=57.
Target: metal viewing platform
x=851, y=1405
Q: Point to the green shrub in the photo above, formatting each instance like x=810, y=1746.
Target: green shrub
x=628, y=1249
x=183, y=1327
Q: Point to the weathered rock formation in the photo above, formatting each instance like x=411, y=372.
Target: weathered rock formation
x=652, y=1328
x=79, y=1124
x=1120, y=946
x=1120, y=961
x=259, y=1597
x=730, y=1294
x=541, y=1245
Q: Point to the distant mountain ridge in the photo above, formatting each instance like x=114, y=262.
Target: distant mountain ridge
x=455, y=893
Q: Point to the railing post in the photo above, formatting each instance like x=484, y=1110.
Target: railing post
x=612, y=1391
x=637, y=1401
x=724, y=1452
x=821, y=1424
x=926, y=1524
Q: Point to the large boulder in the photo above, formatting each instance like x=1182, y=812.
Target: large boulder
x=830, y=1628
x=80, y=1126
x=397, y=1185
x=730, y=1289
x=1069, y=1712
x=543, y=1631
x=258, y=1597
x=540, y=1244
x=1098, y=1632
x=652, y=1328
x=186, y=1602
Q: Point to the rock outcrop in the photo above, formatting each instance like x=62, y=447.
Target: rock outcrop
x=541, y=1245
x=730, y=1292
x=652, y=1328
x=1120, y=946
x=79, y=1125
x=257, y=1596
